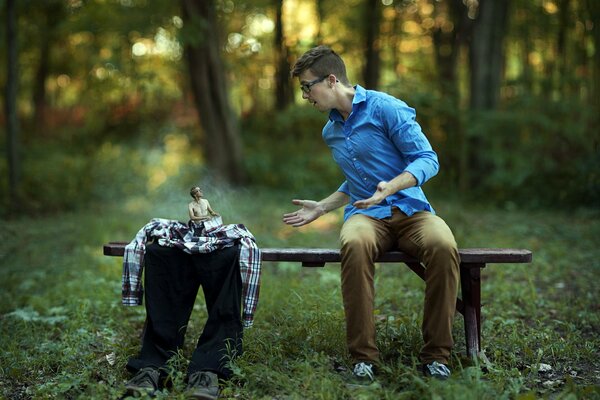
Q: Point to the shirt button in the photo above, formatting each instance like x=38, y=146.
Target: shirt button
x=354, y=159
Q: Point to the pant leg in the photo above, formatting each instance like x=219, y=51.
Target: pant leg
x=221, y=338
x=171, y=285
x=427, y=237
x=362, y=239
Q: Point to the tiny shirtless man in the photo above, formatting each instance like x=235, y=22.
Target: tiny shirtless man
x=200, y=208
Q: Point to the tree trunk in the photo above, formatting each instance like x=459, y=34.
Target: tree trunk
x=527, y=76
x=12, y=121
x=372, y=50
x=52, y=13
x=560, y=76
x=395, y=39
x=448, y=45
x=593, y=9
x=39, y=90
x=222, y=143
x=487, y=54
x=320, y=17
x=283, y=88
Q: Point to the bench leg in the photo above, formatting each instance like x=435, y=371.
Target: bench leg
x=470, y=280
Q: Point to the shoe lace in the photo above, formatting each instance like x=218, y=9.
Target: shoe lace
x=199, y=379
x=436, y=368
x=364, y=370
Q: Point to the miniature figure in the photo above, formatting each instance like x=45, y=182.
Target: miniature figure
x=200, y=209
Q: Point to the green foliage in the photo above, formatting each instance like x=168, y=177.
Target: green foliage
x=539, y=152
x=286, y=150
x=71, y=174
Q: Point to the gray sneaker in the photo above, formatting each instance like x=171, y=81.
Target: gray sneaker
x=145, y=381
x=203, y=385
x=364, y=372
x=363, y=376
x=436, y=370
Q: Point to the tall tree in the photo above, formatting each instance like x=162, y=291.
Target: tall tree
x=593, y=9
x=561, y=45
x=486, y=53
x=320, y=16
x=222, y=142
x=12, y=121
x=525, y=38
x=371, y=70
x=486, y=59
x=448, y=43
x=51, y=14
x=283, y=88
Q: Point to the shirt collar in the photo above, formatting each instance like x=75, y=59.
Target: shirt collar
x=360, y=95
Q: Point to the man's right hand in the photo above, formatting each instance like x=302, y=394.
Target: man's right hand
x=310, y=211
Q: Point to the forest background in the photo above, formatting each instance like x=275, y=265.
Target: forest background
x=507, y=92
x=112, y=109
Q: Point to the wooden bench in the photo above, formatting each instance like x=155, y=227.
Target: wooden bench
x=472, y=262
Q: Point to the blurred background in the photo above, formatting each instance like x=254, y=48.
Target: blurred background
x=107, y=100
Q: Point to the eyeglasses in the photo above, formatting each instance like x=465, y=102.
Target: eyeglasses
x=305, y=87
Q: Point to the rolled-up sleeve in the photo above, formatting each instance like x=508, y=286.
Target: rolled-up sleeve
x=344, y=188
x=405, y=132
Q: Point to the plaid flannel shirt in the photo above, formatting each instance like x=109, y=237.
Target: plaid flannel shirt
x=214, y=236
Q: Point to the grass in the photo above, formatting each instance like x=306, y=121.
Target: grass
x=64, y=333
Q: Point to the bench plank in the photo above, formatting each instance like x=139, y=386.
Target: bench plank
x=314, y=256
x=472, y=261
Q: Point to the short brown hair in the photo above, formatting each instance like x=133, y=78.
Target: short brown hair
x=321, y=61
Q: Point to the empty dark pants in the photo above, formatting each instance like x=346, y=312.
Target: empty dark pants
x=172, y=279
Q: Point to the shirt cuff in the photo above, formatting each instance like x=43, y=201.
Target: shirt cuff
x=247, y=320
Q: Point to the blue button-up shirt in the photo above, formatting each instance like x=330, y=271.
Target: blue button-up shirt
x=380, y=140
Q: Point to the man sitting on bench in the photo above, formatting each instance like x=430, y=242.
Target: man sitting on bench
x=385, y=158
x=226, y=262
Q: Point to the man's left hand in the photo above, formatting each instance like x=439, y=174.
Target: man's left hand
x=380, y=194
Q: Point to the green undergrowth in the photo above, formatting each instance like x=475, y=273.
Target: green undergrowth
x=65, y=335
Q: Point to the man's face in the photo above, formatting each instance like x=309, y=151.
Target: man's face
x=315, y=90
x=197, y=193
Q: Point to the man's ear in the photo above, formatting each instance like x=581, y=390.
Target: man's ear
x=332, y=80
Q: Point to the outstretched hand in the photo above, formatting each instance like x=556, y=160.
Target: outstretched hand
x=308, y=213
x=377, y=197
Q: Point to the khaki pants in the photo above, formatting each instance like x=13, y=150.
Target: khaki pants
x=422, y=235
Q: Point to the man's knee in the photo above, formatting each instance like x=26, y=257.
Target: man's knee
x=445, y=245
x=440, y=239
x=357, y=243
x=358, y=235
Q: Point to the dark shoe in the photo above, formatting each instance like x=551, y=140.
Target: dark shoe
x=144, y=382
x=436, y=370
x=203, y=385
